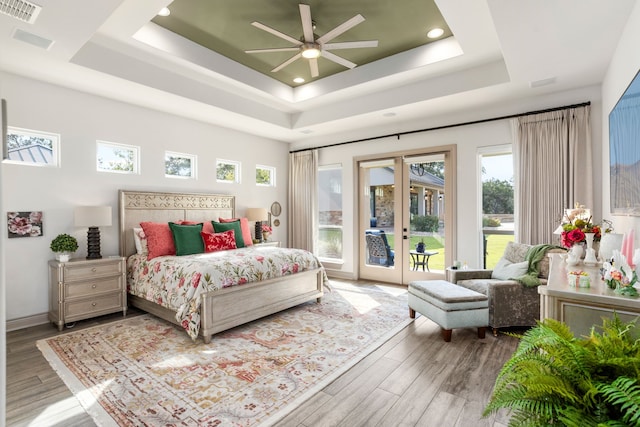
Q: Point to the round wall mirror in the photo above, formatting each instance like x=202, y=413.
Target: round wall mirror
x=276, y=209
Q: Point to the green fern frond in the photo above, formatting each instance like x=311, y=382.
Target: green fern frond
x=624, y=393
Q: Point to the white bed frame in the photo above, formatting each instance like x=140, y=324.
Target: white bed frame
x=225, y=308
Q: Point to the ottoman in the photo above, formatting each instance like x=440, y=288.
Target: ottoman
x=449, y=305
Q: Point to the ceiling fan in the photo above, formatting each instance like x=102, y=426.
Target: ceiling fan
x=310, y=46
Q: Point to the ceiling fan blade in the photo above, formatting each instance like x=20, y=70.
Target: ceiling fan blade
x=350, y=45
x=287, y=62
x=335, y=58
x=313, y=66
x=307, y=25
x=275, y=49
x=276, y=33
x=341, y=29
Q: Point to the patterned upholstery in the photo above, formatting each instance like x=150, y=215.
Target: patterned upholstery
x=510, y=303
x=378, y=249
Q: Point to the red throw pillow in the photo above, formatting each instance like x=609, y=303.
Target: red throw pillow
x=207, y=227
x=244, y=226
x=214, y=242
x=159, y=239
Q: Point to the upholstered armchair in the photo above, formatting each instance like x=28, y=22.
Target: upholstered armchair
x=510, y=302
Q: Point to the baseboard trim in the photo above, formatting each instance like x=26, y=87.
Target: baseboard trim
x=25, y=322
x=340, y=274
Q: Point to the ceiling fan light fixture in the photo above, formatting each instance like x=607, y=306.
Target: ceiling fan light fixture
x=164, y=12
x=310, y=50
x=434, y=33
x=298, y=80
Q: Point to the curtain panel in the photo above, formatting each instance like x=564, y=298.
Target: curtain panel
x=555, y=170
x=303, y=200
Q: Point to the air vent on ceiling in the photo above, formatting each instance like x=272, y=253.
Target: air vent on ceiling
x=23, y=10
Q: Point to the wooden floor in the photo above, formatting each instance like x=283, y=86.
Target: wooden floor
x=415, y=379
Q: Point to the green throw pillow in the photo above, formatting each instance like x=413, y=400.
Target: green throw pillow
x=187, y=238
x=221, y=227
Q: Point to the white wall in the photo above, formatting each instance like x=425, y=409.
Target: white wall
x=469, y=139
x=81, y=119
x=623, y=67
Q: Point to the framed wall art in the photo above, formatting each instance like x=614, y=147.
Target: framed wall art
x=24, y=224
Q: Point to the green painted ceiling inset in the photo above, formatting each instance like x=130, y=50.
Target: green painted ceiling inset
x=224, y=26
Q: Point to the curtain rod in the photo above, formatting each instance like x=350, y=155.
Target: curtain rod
x=475, y=122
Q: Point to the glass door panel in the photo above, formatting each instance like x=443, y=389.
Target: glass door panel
x=424, y=182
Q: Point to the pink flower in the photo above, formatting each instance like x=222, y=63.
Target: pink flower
x=145, y=270
x=181, y=282
x=259, y=258
x=295, y=268
x=242, y=281
x=19, y=225
x=195, y=280
x=156, y=267
x=35, y=217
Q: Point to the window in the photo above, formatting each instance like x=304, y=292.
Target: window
x=228, y=171
x=117, y=158
x=497, y=202
x=30, y=147
x=266, y=176
x=330, y=212
x=179, y=165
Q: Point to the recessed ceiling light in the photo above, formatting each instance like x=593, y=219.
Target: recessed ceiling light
x=298, y=80
x=164, y=11
x=435, y=33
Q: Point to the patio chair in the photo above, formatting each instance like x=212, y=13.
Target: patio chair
x=378, y=250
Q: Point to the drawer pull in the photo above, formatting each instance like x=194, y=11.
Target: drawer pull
x=94, y=269
x=94, y=286
x=93, y=304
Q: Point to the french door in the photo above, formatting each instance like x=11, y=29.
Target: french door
x=406, y=205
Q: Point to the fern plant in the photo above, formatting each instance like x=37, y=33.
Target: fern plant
x=556, y=379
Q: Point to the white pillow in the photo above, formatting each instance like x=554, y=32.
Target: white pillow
x=140, y=239
x=505, y=269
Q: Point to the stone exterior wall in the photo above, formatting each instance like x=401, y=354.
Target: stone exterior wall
x=331, y=218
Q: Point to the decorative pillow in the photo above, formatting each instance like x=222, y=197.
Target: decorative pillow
x=159, y=239
x=207, y=227
x=140, y=239
x=187, y=238
x=219, y=227
x=219, y=241
x=506, y=270
x=244, y=226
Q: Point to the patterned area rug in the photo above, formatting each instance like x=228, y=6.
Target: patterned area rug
x=144, y=371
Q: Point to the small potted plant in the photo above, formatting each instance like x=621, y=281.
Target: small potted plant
x=63, y=245
x=420, y=246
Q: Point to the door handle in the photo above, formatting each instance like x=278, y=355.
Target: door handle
x=405, y=237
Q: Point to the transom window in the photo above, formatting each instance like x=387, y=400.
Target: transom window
x=32, y=147
x=265, y=175
x=179, y=165
x=228, y=171
x=117, y=158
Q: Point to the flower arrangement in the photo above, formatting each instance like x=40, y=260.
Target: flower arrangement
x=576, y=222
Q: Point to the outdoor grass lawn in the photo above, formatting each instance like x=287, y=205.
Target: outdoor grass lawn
x=495, y=248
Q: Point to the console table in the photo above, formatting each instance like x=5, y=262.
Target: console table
x=582, y=308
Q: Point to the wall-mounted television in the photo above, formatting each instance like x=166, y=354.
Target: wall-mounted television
x=624, y=151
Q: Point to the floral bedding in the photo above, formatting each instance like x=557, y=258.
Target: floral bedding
x=176, y=282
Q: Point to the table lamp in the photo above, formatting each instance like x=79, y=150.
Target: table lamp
x=258, y=215
x=93, y=217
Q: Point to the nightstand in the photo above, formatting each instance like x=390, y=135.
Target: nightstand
x=81, y=289
x=271, y=243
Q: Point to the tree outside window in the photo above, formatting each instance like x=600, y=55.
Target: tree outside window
x=265, y=175
x=30, y=147
x=228, y=171
x=178, y=165
x=118, y=158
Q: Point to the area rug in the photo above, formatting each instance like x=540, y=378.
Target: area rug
x=143, y=371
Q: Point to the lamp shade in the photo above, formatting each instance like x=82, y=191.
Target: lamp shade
x=257, y=214
x=92, y=216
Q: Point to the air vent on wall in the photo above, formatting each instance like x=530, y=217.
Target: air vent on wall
x=23, y=10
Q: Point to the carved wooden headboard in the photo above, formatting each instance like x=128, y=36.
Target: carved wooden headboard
x=137, y=206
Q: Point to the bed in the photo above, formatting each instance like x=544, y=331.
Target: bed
x=226, y=307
